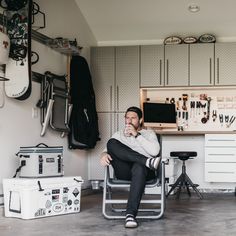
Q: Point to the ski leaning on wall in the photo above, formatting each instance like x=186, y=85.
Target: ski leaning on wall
x=18, y=69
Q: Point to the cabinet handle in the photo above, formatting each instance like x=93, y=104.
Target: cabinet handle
x=221, y=140
x=117, y=122
x=160, y=72
x=217, y=154
x=111, y=130
x=117, y=98
x=218, y=70
x=210, y=71
x=221, y=172
x=167, y=72
x=111, y=98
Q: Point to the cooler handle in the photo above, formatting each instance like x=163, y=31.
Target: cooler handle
x=40, y=187
x=41, y=144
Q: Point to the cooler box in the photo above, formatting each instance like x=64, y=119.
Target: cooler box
x=41, y=197
x=41, y=161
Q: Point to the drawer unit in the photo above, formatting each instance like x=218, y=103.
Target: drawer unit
x=220, y=155
x=220, y=158
x=220, y=172
x=220, y=140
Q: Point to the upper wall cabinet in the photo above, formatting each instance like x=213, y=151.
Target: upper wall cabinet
x=201, y=64
x=225, y=61
x=152, y=66
x=176, y=65
x=127, y=77
x=115, y=72
x=103, y=74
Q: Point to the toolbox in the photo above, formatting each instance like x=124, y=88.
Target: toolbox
x=40, y=161
x=41, y=197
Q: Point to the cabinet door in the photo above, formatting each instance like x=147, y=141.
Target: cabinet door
x=176, y=65
x=127, y=77
x=103, y=75
x=106, y=129
x=201, y=64
x=225, y=59
x=152, y=65
x=108, y=123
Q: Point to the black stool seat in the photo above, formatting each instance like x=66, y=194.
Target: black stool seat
x=183, y=155
x=183, y=180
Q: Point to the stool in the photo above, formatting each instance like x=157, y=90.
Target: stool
x=183, y=180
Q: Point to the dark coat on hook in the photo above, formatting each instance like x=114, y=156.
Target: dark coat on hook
x=83, y=123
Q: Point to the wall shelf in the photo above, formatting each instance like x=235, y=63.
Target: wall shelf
x=45, y=40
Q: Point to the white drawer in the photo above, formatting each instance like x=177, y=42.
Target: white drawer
x=220, y=172
x=214, y=154
x=220, y=140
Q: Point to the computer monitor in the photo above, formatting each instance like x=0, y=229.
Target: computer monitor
x=159, y=115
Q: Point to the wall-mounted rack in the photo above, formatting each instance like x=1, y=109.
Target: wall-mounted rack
x=66, y=50
x=43, y=39
x=37, y=77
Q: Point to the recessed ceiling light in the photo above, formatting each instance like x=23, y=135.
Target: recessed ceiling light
x=194, y=8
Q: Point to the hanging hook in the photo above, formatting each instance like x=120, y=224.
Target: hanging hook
x=3, y=79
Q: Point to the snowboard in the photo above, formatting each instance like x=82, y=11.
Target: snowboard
x=18, y=68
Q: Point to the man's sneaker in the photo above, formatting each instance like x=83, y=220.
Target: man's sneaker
x=130, y=221
x=153, y=163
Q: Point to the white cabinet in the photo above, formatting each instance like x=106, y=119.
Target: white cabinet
x=201, y=64
x=225, y=59
x=126, y=77
x=152, y=66
x=115, y=73
x=220, y=158
x=103, y=75
x=189, y=65
x=95, y=170
x=109, y=123
x=176, y=65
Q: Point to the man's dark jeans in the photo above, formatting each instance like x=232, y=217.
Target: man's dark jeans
x=130, y=165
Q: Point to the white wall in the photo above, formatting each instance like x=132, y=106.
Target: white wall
x=17, y=127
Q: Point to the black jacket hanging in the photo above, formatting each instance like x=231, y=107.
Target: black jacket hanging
x=83, y=124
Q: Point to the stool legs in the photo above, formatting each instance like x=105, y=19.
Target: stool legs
x=184, y=181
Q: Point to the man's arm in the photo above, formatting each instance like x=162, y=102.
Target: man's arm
x=149, y=142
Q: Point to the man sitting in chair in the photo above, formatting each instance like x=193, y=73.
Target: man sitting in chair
x=132, y=153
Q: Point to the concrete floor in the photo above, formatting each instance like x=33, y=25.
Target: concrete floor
x=215, y=215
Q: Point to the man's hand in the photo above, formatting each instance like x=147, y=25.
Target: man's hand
x=131, y=130
x=105, y=159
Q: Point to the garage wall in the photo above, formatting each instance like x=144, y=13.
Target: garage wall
x=17, y=126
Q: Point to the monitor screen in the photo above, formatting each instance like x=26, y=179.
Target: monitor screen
x=162, y=115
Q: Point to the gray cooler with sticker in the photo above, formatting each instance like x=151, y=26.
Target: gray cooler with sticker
x=40, y=161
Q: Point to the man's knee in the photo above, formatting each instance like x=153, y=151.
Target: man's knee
x=112, y=143
x=139, y=170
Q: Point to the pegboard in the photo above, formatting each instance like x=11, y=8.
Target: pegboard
x=199, y=109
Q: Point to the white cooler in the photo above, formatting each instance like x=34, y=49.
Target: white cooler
x=41, y=197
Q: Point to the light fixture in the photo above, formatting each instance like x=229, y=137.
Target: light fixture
x=193, y=8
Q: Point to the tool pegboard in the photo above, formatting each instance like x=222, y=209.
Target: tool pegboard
x=198, y=109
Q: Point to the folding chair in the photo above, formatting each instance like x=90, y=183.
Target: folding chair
x=112, y=205
x=54, y=103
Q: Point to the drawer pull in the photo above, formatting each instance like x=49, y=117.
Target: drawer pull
x=220, y=140
x=220, y=172
x=216, y=154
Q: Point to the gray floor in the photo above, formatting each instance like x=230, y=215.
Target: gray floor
x=214, y=215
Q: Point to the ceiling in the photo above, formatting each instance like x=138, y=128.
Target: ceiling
x=132, y=22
